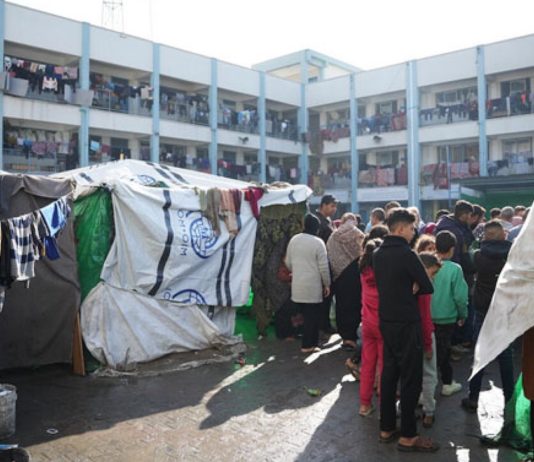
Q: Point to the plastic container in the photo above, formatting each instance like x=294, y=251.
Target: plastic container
x=8, y=401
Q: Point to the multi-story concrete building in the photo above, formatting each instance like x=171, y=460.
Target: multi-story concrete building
x=422, y=132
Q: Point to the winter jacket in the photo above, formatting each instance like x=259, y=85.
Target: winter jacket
x=489, y=262
x=449, y=302
x=306, y=259
x=369, y=297
x=397, y=268
x=344, y=247
x=325, y=228
x=425, y=302
x=464, y=239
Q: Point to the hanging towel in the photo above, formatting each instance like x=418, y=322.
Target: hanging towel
x=21, y=247
x=253, y=195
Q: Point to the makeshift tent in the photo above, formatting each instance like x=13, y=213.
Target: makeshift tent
x=510, y=315
x=37, y=323
x=170, y=281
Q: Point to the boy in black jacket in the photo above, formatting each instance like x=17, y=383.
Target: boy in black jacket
x=400, y=278
x=489, y=261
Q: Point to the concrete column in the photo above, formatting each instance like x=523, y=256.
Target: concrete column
x=482, y=97
x=303, y=119
x=154, y=83
x=83, y=133
x=354, y=159
x=414, y=151
x=262, y=109
x=213, y=116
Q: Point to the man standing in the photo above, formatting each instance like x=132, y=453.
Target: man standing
x=459, y=224
x=400, y=278
x=507, y=215
x=325, y=212
x=307, y=260
x=489, y=262
x=514, y=232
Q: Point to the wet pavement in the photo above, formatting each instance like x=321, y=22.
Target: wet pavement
x=228, y=412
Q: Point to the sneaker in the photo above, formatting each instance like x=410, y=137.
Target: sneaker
x=469, y=405
x=448, y=390
x=460, y=349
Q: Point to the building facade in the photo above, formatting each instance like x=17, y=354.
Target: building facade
x=73, y=94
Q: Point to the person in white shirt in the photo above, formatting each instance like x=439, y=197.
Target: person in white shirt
x=307, y=260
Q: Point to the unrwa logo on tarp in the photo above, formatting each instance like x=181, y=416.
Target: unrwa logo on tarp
x=186, y=296
x=203, y=239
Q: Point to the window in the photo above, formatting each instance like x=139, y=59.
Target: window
x=511, y=87
x=250, y=159
x=361, y=111
x=202, y=153
x=520, y=146
x=386, y=107
x=382, y=159
x=458, y=153
x=229, y=104
x=229, y=156
x=456, y=96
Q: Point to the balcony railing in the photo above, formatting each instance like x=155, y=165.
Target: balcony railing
x=444, y=114
x=517, y=104
x=438, y=174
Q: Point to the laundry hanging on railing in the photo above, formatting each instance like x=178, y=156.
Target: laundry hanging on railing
x=28, y=238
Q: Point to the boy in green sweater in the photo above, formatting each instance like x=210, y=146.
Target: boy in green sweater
x=449, y=308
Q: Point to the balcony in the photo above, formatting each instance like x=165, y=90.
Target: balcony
x=513, y=164
x=438, y=174
x=448, y=114
x=191, y=109
x=381, y=177
x=517, y=104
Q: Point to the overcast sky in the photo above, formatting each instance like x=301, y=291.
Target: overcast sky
x=364, y=33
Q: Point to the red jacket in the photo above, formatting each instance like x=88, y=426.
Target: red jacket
x=369, y=296
x=425, y=302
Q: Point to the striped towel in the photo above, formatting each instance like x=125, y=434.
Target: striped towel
x=22, y=250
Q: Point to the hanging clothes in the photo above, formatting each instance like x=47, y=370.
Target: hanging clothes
x=54, y=216
x=22, y=251
x=253, y=195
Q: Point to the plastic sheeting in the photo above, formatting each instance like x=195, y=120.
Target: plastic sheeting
x=151, y=174
x=94, y=229
x=122, y=328
x=166, y=248
x=511, y=311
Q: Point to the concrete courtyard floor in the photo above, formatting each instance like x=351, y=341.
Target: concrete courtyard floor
x=260, y=411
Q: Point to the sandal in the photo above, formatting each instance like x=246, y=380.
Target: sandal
x=310, y=350
x=392, y=437
x=367, y=412
x=353, y=369
x=421, y=444
x=428, y=421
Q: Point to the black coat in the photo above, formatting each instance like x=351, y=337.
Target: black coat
x=397, y=268
x=489, y=261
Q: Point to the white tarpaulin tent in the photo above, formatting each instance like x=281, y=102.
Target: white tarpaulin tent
x=511, y=312
x=166, y=264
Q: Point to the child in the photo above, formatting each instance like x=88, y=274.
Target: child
x=449, y=307
x=371, y=338
x=426, y=243
x=430, y=375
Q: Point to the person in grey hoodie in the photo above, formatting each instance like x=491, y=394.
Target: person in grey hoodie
x=307, y=260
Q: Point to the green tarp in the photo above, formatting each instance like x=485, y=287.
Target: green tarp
x=516, y=432
x=94, y=230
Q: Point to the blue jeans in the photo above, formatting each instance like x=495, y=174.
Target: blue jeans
x=506, y=367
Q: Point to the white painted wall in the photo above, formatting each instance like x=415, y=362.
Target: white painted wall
x=511, y=54
x=30, y=109
x=381, y=81
x=120, y=49
x=283, y=91
x=115, y=121
x=238, y=79
x=183, y=131
x=510, y=125
x=42, y=30
x=392, y=193
x=328, y=91
x=448, y=132
x=231, y=138
x=283, y=146
x=182, y=65
x=449, y=67
x=331, y=72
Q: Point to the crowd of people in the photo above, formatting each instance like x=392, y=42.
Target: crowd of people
x=410, y=297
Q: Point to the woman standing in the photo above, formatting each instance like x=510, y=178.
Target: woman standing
x=344, y=248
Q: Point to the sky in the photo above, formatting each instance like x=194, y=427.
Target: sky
x=364, y=33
